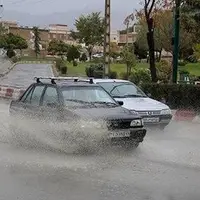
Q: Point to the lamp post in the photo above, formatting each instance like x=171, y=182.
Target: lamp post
x=107, y=39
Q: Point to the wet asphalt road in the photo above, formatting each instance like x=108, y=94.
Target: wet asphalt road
x=165, y=167
x=22, y=75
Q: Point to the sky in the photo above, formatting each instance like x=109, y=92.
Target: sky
x=51, y=8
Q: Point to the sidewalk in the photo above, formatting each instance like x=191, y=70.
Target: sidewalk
x=5, y=65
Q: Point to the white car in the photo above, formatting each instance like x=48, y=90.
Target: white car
x=154, y=113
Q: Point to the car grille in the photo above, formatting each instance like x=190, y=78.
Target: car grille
x=149, y=113
x=118, y=124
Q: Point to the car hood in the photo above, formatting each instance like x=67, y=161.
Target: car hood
x=105, y=113
x=142, y=104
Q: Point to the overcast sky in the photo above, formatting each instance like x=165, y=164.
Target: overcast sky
x=52, y=6
x=28, y=12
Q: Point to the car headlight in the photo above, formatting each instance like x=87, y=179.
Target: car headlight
x=134, y=112
x=166, y=112
x=137, y=122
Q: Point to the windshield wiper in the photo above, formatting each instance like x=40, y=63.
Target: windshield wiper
x=128, y=95
x=80, y=101
x=105, y=103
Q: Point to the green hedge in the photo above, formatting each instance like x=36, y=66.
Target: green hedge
x=175, y=95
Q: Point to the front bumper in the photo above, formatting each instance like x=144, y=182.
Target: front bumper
x=136, y=135
x=157, y=120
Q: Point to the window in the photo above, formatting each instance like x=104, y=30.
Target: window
x=36, y=95
x=27, y=95
x=121, y=89
x=50, y=97
x=85, y=94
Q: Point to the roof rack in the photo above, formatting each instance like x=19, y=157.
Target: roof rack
x=53, y=79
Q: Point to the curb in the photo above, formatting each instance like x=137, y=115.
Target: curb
x=185, y=115
x=36, y=62
x=10, y=92
x=9, y=69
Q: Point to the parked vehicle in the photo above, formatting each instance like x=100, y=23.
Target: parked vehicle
x=154, y=113
x=87, y=106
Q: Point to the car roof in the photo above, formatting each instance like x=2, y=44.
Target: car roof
x=109, y=81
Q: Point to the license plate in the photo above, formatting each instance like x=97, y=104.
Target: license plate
x=119, y=134
x=151, y=120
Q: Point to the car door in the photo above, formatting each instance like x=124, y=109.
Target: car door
x=50, y=104
x=30, y=104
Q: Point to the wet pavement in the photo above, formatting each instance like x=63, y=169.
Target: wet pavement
x=166, y=166
x=22, y=75
x=5, y=65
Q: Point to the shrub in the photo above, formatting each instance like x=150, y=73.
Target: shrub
x=176, y=95
x=10, y=53
x=124, y=76
x=75, y=63
x=192, y=59
x=164, y=70
x=113, y=75
x=182, y=63
x=140, y=76
x=15, y=59
x=83, y=57
x=58, y=63
x=63, y=69
x=95, y=71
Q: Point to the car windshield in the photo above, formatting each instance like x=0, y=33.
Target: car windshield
x=87, y=96
x=122, y=89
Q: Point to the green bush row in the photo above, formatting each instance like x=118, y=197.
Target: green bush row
x=61, y=66
x=176, y=95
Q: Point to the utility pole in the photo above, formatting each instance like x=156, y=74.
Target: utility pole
x=176, y=39
x=107, y=39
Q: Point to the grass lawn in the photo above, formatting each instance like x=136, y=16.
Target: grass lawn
x=80, y=69
x=193, y=68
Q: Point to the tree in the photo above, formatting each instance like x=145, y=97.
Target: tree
x=37, y=40
x=10, y=41
x=72, y=54
x=90, y=30
x=58, y=47
x=129, y=57
x=114, y=50
x=149, y=6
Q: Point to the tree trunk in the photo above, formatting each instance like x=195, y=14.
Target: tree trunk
x=150, y=40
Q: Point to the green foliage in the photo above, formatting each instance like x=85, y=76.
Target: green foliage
x=164, y=71
x=90, y=30
x=75, y=63
x=113, y=75
x=63, y=69
x=83, y=57
x=196, y=50
x=95, y=71
x=182, y=63
x=37, y=40
x=73, y=53
x=140, y=76
x=176, y=95
x=128, y=57
x=10, y=53
x=15, y=59
x=58, y=47
x=59, y=63
x=11, y=41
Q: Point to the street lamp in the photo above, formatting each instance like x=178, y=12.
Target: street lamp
x=107, y=39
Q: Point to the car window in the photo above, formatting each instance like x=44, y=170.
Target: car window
x=27, y=95
x=122, y=89
x=36, y=95
x=50, y=96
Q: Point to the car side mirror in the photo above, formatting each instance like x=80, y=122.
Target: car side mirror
x=121, y=103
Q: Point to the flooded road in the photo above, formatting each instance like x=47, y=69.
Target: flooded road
x=166, y=166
